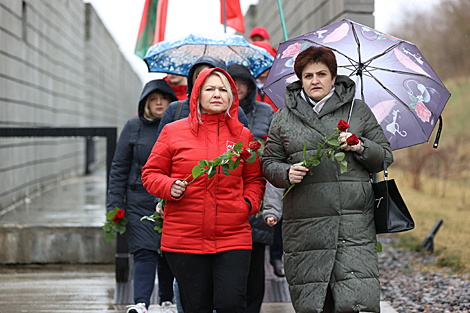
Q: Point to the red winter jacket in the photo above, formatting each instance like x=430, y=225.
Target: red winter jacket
x=181, y=91
x=212, y=215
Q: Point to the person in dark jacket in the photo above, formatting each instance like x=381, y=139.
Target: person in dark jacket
x=127, y=191
x=206, y=233
x=204, y=62
x=328, y=226
x=259, y=115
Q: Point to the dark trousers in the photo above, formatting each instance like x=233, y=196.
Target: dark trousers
x=165, y=280
x=211, y=281
x=255, y=283
x=276, y=249
x=145, y=267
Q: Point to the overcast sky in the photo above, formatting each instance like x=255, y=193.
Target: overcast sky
x=122, y=19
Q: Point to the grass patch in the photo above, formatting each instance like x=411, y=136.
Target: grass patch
x=426, y=207
x=453, y=261
x=410, y=242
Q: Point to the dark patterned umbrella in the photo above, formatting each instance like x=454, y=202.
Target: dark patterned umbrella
x=391, y=76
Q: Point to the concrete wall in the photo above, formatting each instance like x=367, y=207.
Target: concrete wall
x=23, y=244
x=59, y=67
x=302, y=16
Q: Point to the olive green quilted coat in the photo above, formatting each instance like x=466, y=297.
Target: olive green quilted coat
x=328, y=228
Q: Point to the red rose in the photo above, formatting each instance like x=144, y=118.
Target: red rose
x=120, y=213
x=255, y=145
x=342, y=125
x=265, y=138
x=116, y=219
x=352, y=140
x=245, y=154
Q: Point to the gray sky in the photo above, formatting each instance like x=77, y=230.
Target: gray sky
x=122, y=18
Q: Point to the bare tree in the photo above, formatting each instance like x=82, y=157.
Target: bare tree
x=442, y=35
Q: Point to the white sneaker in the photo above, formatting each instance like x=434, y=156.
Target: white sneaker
x=168, y=307
x=137, y=308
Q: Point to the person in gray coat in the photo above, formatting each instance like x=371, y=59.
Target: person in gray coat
x=126, y=191
x=328, y=230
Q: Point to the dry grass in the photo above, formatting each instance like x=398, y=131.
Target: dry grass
x=426, y=207
x=441, y=187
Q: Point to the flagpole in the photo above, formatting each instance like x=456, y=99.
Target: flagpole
x=282, y=19
x=225, y=19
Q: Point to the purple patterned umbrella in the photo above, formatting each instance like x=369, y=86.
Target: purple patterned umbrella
x=391, y=76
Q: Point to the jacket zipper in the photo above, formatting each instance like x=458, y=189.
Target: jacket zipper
x=218, y=135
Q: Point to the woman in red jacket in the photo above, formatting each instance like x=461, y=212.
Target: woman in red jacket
x=207, y=236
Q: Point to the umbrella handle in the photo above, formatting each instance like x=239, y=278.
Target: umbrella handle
x=438, y=134
x=282, y=20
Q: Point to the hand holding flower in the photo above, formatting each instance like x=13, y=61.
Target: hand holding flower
x=178, y=188
x=159, y=208
x=297, y=173
x=339, y=139
x=228, y=161
x=349, y=142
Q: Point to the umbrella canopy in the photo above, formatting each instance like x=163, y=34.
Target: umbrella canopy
x=391, y=76
x=177, y=56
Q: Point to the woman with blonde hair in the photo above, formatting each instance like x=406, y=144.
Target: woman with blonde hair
x=206, y=233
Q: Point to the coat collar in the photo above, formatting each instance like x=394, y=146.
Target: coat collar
x=344, y=93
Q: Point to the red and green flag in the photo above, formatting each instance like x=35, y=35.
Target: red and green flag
x=152, y=25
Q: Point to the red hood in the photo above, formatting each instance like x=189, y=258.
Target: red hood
x=232, y=121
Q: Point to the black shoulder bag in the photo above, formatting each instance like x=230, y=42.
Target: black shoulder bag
x=390, y=213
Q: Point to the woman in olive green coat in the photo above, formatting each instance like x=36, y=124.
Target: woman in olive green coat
x=329, y=233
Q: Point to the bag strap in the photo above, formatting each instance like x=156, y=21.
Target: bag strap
x=385, y=167
x=178, y=111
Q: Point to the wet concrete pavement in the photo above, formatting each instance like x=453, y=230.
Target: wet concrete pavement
x=76, y=203
x=70, y=288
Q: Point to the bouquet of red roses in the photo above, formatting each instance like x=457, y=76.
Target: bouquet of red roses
x=115, y=222
x=229, y=161
x=328, y=149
